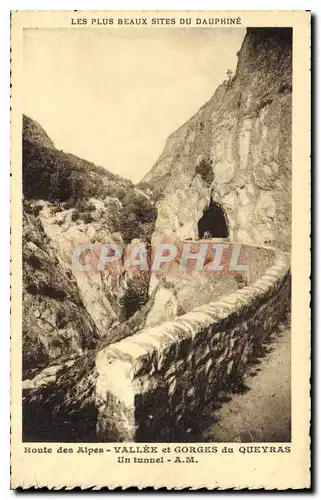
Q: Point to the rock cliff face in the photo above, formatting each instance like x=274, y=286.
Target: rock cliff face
x=235, y=152
x=56, y=324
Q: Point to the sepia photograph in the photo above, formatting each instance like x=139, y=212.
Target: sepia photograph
x=153, y=160
x=160, y=250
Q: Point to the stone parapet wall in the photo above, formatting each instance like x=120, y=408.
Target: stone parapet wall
x=153, y=385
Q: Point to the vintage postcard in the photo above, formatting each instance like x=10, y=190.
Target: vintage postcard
x=160, y=249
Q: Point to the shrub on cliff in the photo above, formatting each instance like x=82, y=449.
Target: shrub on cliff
x=136, y=294
x=205, y=170
x=138, y=218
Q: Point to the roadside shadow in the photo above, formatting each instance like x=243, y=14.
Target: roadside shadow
x=211, y=413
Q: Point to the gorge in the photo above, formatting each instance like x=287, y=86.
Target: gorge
x=134, y=357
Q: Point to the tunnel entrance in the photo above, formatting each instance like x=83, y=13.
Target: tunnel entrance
x=213, y=223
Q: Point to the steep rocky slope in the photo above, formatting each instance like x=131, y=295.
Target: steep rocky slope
x=55, y=321
x=235, y=151
x=67, y=202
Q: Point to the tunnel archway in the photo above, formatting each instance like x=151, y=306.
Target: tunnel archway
x=213, y=223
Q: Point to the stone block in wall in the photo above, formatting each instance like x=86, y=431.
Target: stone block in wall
x=237, y=300
x=161, y=349
x=133, y=353
x=184, y=347
x=202, y=353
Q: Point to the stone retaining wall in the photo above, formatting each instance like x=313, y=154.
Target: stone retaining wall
x=153, y=385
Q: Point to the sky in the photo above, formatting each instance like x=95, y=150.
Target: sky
x=113, y=96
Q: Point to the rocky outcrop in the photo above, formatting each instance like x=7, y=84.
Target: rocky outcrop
x=235, y=151
x=56, y=324
x=100, y=291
